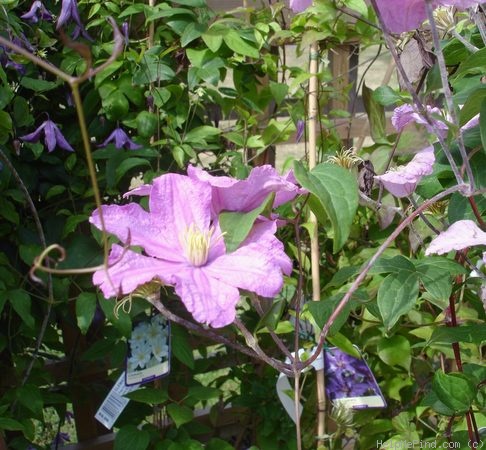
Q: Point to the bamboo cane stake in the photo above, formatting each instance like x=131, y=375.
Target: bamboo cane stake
x=315, y=255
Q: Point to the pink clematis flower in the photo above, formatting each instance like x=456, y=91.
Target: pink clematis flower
x=405, y=114
x=230, y=194
x=184, y=248
x=406, y=15
x=403, y=181
x=298, y=6
x=460, y=235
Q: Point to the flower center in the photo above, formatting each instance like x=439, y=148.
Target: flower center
x=196, y=244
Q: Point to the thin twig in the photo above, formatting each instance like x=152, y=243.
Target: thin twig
x=447, y=90
x=357, y=282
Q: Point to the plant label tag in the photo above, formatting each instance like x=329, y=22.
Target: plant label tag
x=148, y=350
x=350, y=382
x=114, y=403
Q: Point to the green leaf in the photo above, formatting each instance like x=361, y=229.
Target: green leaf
x=337, y=193
x=38, y=85
x=455, y=390
x=129, y=164
x=193, y=3
x=5, y=126
x=236, y=225
x=472, y=105
x=130, y=437
x=397, y=296
x=322, y=310
x=233, y=40
x=151, y=70
x=386, y=96
x=6, y=423
x=30, y=397
x=193, y=31
x=271, y=318
x=180, y=346
x=392, y=265
x=474, y=334
x=21, y=302
x=218, y=444
x=150, y=396
x=85, y=310
x=106, y=72
x=357, y=5
x=482, y=123
x=200, y=134
x=203, y=392
x=213, y=40
x=279, y=91
x=395, y=351
x=180, y=414
x=376, y=116
x=58, y=189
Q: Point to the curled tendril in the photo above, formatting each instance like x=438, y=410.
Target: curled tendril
x=144, y=291
x=39, y=260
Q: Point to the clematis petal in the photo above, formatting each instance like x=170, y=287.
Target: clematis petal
x=178, y=202
x=247, y=268
x=35, y=135
x=405, y=114
x=298, y=6
x=132, y=270
x=50, y=135
x=402, y=15
x=460, y=235
x=135, y=226
x=403, y=181
x=208, y=299
x=31, y=14
x=61, y=140
x=263, y=235
x=142, y=190
x=244, y=195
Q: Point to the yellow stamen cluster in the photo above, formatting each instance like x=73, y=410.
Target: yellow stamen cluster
x=196, y=244
x=345, y=158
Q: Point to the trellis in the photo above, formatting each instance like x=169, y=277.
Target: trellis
x=82, y=376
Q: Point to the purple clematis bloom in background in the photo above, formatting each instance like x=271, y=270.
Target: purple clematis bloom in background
x=405, y=114
x=185, y=248
x=230, y=194
x=121, y=140
x=70, y=13
x=402, y=181
x=52, y=136
x=37, y=12
x=298, y=6
x=460, y=235
x=406, y=15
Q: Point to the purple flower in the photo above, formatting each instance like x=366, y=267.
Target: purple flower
x=405, y=114
x=298, y=6
x=60, y=439
x=70, y=13
x=121, y=139
x=402, y=181
x=184, y=248
x=230, y=194
x=300, y=130
x=460, y=235
x=125, y=32
x=52, y=136
x=406, y=15
x=37, y=11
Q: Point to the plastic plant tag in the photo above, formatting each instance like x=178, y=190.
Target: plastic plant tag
x=114, y=403
x=350, y=382
x=148, y=350
x=285, y=391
